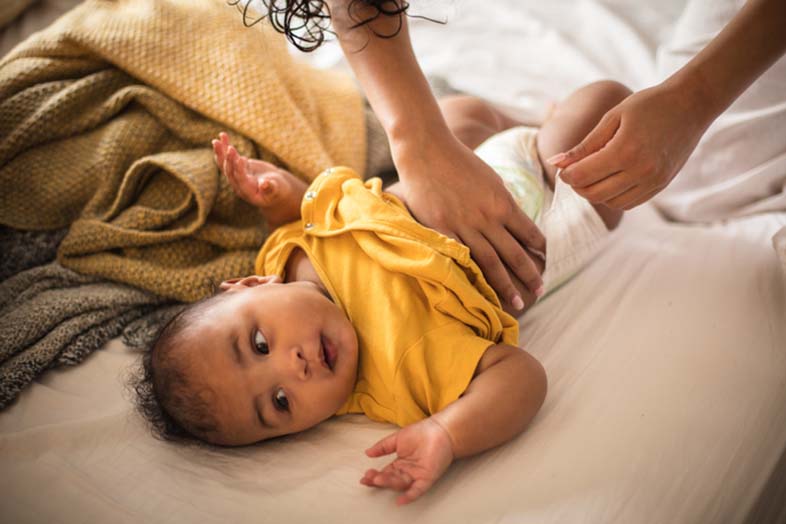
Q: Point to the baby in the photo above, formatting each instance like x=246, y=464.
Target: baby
x=357, y=308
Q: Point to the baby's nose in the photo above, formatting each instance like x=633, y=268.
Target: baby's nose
x=299, y=362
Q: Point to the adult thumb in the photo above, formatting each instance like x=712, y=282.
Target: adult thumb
x=600, y=135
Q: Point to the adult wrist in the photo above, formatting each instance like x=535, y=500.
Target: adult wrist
x=411, y=146
x=414, y=129
x=702, y=99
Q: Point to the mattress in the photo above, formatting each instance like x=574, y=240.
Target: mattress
x=666, y=356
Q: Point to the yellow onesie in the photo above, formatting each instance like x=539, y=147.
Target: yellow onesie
x=423, y=312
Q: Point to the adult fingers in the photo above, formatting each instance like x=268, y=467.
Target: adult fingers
x=384, y=446
x=600, y=135
x=525, y=230
x=518, y=260
x=608, y=188
x=646, y=197
x=450, y=234
x=632, y=198
x=490, y=264
x=592, y=169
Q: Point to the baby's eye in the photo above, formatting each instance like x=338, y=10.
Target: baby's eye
x=280, y=400
x=260, y=344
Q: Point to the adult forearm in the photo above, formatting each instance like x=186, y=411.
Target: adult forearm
x=388, y=72
x=498, y=404
x=749, y=44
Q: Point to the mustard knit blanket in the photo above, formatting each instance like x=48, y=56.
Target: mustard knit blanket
x=106, y=119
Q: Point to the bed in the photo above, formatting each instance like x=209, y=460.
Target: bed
x=666, y=357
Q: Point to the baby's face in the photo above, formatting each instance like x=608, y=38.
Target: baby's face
x=278, y=357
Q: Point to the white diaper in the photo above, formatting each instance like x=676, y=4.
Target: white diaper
x=573, y=229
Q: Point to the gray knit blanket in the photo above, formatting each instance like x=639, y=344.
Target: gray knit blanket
x=51, y=316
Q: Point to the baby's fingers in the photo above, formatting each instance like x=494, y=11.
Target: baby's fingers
x=417, y=488
x=368, y=477
x=384, y=447
x=259, y=189
x=220, y=147
x=395, y=480
x=239, y=165
x=216, y=150
x=229, y=163
x=240, y=186
x=218, y=154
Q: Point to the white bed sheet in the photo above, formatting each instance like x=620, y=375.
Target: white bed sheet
x=666, y=358
x=667, y=403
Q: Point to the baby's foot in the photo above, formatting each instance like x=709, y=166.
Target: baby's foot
x=274, y=191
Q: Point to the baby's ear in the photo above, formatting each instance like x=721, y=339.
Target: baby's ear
x=235, y=284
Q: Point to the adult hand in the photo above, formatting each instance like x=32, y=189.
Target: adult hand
x=463, y=198
x=424, y=452
x=637, y=148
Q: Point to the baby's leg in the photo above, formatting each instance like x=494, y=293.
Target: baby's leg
x=472, y=120
x=276, y=192
x=571, y=120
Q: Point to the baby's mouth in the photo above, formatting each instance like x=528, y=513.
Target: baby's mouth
x=328, y=352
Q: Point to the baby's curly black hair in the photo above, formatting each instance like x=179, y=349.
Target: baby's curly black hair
x=305, y=22
x=174, y=407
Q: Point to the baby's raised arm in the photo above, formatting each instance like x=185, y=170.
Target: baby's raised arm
x=506, y=392
x=277, y=193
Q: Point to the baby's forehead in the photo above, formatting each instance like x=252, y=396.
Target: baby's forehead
x=206, y=334
x=195, y=338
x=212, y=313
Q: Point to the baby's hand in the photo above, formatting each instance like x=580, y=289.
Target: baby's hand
x=276, y=192
x=424, y=453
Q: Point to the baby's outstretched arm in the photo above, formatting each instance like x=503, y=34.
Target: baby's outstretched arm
x=505, y=394
x=277, y=193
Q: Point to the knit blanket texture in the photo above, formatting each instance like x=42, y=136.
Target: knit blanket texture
x=107, y=117
x=51, y=316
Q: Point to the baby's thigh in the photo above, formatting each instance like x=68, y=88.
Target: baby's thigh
x=571, y=121
x=574, y=117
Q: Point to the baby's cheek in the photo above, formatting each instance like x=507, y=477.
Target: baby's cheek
x=340, y=393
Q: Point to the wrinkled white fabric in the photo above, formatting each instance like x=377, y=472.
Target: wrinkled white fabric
x=739, y=166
